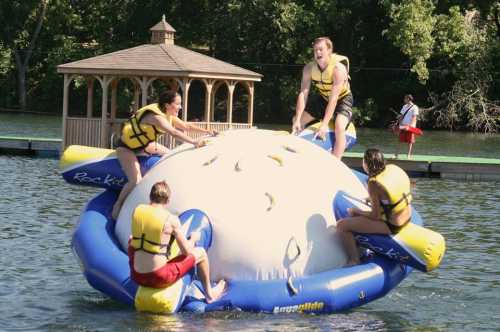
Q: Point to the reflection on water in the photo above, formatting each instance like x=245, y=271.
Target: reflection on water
x=42, y=288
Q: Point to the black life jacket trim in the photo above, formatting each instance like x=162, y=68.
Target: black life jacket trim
x=139, y=134
x=387, y=208
x=161, y=245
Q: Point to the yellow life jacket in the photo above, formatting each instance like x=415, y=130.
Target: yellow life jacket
x=396, y=184
x=147, y=228
x=137, y=135
x=323, y=79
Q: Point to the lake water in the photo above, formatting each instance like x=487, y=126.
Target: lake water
x=42, y=288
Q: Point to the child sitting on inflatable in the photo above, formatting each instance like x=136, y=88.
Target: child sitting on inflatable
x=390, y=198
x=154, y=229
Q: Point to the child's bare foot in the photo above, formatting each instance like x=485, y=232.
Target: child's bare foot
x=216, y=292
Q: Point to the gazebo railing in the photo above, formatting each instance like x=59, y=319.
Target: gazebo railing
x=87, y=131
x=83, y=131
x=171, y=142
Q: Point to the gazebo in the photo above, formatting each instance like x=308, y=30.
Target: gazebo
x=162, y=60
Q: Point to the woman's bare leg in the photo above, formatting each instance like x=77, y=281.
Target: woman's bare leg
x=131, y=168
x=156, y=148
x=358, y=224
x=350, y=247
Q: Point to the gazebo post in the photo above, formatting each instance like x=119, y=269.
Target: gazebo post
x=230, y=96
x=208, y=102
x=67, y=82
x=250, y=103
x=114, y=85
x=144, y=90
x=136, y=94
x=214, y=93
x=90, y=96
x=186, y=84
x=105, y=80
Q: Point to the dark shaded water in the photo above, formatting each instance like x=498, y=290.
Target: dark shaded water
x=42, y=288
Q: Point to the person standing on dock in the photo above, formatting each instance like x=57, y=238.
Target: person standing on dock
x=406, y=124
x=331, y=97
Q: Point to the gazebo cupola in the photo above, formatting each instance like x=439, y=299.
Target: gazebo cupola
x=162, y=33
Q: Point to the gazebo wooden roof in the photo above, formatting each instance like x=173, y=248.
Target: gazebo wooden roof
x=159, y=60
x=143, y=64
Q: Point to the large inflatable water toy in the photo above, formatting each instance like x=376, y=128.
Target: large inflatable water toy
x=264, y=202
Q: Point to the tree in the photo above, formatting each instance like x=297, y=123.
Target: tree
x=21, y=17
x=411, y=30
x=464, y=45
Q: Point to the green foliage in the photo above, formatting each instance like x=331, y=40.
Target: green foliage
x=364, y=115
x=465, y=45
x=5, y=64
x=411, y=30
x=445, y=48
x=458, y=42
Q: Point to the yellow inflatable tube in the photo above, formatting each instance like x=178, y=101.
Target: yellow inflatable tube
x=413, y=245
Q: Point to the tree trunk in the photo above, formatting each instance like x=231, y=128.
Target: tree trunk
x=496, y=18
x=21, y=80
x=22, y=64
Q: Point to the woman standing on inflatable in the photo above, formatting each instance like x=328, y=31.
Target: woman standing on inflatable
x=140, y=134
x=390, y=198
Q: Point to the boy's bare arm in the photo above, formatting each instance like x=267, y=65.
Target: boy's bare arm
x=184, y=244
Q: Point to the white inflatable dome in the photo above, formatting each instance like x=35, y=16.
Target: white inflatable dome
x=269, y=196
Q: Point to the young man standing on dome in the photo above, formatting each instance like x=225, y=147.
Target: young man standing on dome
x=331, y=96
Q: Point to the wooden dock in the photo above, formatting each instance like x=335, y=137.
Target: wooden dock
x=447, y=167
x=43, y=147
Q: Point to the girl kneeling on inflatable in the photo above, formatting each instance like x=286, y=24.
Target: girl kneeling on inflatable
x=390, y=198
x=154, y=229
